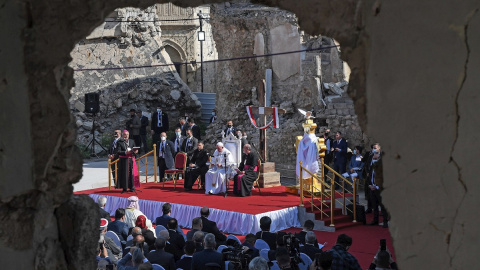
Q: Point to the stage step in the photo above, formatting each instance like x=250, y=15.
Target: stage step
x=339, y=219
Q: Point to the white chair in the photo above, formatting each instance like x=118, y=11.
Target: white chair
x=231, y=236
x=261, y=244
x=264, y=253
x=226, y=264
x=159, y=228
x=275, y=266
x=114, y=237
x=130, y=237
x=306, y=261
x=157, y=267
x=220, y=248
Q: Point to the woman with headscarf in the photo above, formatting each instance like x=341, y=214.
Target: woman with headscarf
x=147, y=234
x=132, y=212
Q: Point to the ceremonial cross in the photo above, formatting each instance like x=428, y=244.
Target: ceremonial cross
x=263, y=111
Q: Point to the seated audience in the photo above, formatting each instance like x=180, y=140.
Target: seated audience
x=147, y=234
x=176, y=239
x=309, y=248
x=283, y=259
x=198, y=240
x=114, y=252
x=102, y=201
x=118, y=226
x=137, y=241
x=258, y=263
x=323, y=261
x=250, y=240
x=265, y=234
x=383, y=260
x=280, y=243
x=186, y=262
x=196, y=226
x=159, y=256
x=145, y=266
x=208, y=255
x=163, y=220
x=132, y=212
x=151, y=228
x=341, y=258
x=169, y=247
x=135, y=257
x=211, y=226
x=307, y=226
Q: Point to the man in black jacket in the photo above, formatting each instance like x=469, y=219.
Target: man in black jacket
x=186, y=262
x=143, y=131
x=246, y=173
x=159, y=123
x=265, y=234
x=166, y=155
x=208, y=255
x=211, y=226
x=309, y=248
x=189, y=144
x=195, y=129
x=176, y=239
x=159, y=256
x=197, y=167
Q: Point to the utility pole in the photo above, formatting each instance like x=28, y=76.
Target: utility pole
x=201, y=38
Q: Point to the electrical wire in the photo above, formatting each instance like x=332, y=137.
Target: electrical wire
x=208, y=61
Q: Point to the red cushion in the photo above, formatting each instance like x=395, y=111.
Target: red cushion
x=173, y=171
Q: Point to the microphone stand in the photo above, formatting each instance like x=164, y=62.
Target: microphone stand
x=226, y=176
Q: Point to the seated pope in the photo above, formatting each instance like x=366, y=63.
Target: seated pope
x=215, y=177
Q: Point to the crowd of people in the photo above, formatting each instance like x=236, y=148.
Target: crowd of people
x=211, y=170
x=138, y=245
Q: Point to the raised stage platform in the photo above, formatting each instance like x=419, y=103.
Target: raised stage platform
x=237, y=215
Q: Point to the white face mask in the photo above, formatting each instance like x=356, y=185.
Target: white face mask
x=163, y=138
x=159, y=110
x=213, y=113
x=178, y=134
x=245, y=136
x=239, y=135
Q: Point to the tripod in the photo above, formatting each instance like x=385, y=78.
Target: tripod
x=92, y=142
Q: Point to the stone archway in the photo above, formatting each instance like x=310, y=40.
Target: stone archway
x=419, y=104
x=177, y=55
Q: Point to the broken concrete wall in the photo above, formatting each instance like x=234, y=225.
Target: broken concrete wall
x=130, y=38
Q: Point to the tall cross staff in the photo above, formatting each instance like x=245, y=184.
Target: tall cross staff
x=264, y=111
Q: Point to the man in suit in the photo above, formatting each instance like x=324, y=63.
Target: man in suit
x=208, y=255
x=328, y=154
x=124, y=151
x=265, y=234
x=196, y=226
x=195, y=129
x=183, y=125
x=375, y=183
x=309, y=248
x=118, y=226
x=197, y=166
x=159, y=256
x=165, y=218
x=211, y=226
x=186, y=262
x=307, y=227
x=166, y=154
x=339, y=149
x=367, y=163
x=178, y=140
x=102, y=201
x=135, y=257
x=250, y=240
x=197, y=238
x=111, y=152
x=176, y=239
x=143, y=130
x=169, y=247
x=189, y=144
x=159, y=123
x=230, y=128
x=134, y=127
x=214, y=116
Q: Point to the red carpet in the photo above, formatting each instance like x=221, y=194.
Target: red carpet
x=271, y=199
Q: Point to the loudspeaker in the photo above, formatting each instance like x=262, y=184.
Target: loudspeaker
x=92, y=103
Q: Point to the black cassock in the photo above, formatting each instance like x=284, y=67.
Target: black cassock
x=199, y=158
x=243, y=183
x=125, y=164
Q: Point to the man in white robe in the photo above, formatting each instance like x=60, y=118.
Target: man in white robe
x=215, y=177
x=308, y=154
x=132, y=212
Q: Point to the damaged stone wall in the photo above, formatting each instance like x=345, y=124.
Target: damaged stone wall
x=130, y=37
x=417, y=62
x=241, y=29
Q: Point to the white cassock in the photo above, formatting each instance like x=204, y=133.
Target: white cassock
x=215, y=177
x=131, y=215
x=308, y=154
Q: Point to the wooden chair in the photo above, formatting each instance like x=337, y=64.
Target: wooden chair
x=259, y=163
x=199, y=178
x=180, y=168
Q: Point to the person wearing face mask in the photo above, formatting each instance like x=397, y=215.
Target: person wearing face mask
x=183, y=125
x=134, y=127
x=189, y=144
x=328, y=154
x=339, y=149
x=375, y=184
x=356, y=164
x=159, y=123
x=243, y=137
x=166, y=154
x=367, y=162
x=230, y=129
x=214, y=116
x=177, y=140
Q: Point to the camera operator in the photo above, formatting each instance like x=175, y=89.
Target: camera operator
x=341, y=258
x=237, y=255
x=323, y=261
x=114, y=252
x=208, y=255
x=284, y=261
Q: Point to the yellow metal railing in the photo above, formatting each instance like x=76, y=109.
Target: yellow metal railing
x=143, y=159
x=327, y=191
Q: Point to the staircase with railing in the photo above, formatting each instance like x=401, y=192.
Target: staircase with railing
x=324, y=204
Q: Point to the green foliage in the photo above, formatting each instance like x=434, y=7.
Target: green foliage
x=203, y=128
x=84, y=152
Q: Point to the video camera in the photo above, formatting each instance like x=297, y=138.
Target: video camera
x=235, y=253
x=293, y=246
